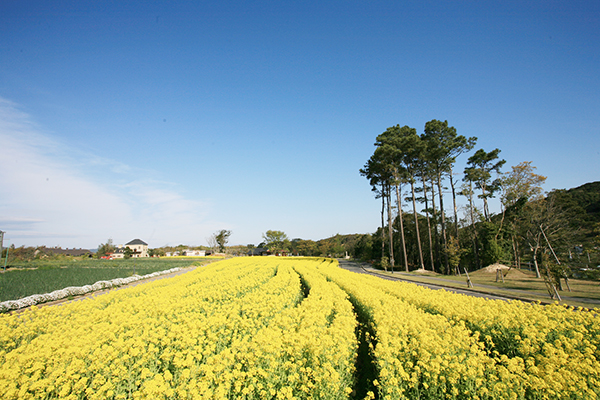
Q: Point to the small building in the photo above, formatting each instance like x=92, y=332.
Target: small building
x=118, y=253
x=259, y=251
x=194, y=253
x=139, y=247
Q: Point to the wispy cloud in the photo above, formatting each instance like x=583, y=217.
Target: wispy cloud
x=52, y=194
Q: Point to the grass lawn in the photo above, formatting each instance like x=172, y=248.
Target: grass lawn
x=25, y=278
x=520, y=283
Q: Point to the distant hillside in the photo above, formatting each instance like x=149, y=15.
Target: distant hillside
x=588, y=198
x=582, y=205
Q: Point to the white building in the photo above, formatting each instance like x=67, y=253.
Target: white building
x=194, y=253
x=139, y=247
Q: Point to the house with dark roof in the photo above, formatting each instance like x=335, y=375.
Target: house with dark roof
x=138, y=247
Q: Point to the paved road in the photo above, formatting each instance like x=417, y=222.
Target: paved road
x=516, y=294
x=358, y=268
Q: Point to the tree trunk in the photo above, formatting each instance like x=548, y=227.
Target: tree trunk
x=535, y=263
x=486, y=211
x=383, y=224
x=390, y=227
x=454, y=204
x=428, y=224
x=514, y=246
x=436, y=235
x=398, y=199
x=501, y=222
x=475, y=241
x=443, y=222
x=412, y=187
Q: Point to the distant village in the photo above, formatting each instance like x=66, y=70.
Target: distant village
x=338, y=246
x=137, y=248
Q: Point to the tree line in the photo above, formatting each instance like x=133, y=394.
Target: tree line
x=407, y=169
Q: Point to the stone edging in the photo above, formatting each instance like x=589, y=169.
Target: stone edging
x=76, y=291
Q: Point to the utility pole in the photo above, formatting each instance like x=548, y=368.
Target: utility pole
x=2, y=249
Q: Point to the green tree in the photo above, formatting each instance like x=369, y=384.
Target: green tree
x=518, y=186
x=403, y=149
x=377, y=171
x=479, y=171
x=222, y=237
x=443, y=146
x=363, y=247
x=425, y=176
x=454, y=253
x=491, y=249
x=546, y=222
x=596, y=235
x=127, y=253
x=521, y=182
x=276, y=241
x=467, y=191
x=158, y=252
x=304, y=247
x=105, y=249
x=385, y=155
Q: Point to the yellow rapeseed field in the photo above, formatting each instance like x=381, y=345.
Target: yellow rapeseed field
x=287, y=328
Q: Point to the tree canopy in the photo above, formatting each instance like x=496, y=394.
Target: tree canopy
x=276, y=241
x=222, y=237
x=105, y=249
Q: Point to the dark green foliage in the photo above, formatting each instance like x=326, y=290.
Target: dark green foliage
x=588, y=198
x=105, y=248
x=479, y=171
x=338, y=245
x=276, y=241
x=222, y=237
x=583, y=204
x=363, y=248
x=491, y=250
x=127, y=252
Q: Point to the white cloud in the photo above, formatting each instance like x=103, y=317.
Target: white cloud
x=50, y=194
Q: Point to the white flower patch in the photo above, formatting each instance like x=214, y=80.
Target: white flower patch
x=76, y=291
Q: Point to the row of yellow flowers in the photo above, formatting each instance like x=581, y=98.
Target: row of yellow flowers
x=552, y=351
x=240, y=328
x=418, y=355
x=435, y=344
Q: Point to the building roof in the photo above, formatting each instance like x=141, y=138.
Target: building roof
x=136, y=241
x=67, y=252
x=258, y=251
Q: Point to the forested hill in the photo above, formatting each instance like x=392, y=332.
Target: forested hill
x=588, y=198
x=581, y=207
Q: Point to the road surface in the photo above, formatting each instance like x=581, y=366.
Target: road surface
x=358, y=268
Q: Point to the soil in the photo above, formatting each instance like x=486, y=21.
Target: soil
x=493, y=268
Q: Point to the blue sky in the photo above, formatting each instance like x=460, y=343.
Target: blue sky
x=167, y=122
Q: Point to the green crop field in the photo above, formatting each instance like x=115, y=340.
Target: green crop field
x=25, y=278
